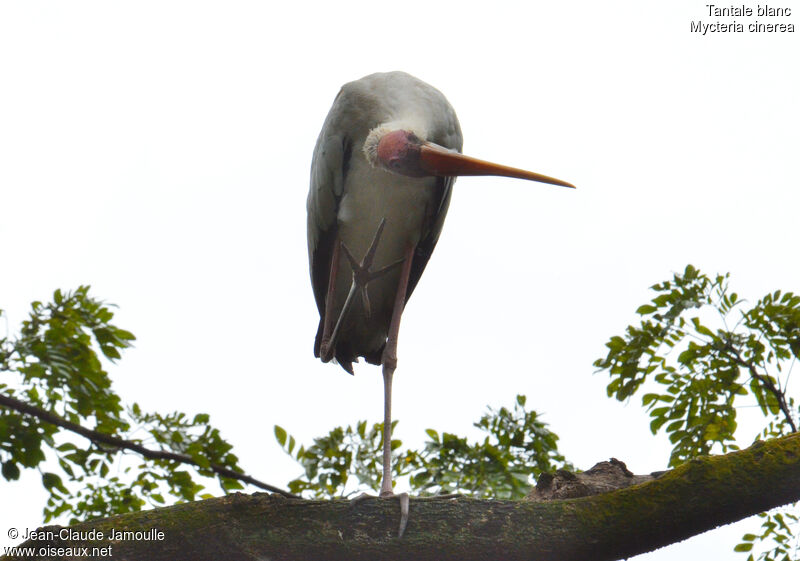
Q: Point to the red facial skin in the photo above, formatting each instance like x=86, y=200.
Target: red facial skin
x=399, y=151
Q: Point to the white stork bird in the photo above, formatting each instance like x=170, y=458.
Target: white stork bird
x=381, y=179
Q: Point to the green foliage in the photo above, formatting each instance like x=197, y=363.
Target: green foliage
x=330, y=461
x=518, y=446
x=55, y=366
x=780, y=526
x=700, y=350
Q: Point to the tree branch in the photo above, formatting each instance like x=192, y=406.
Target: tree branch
x=690, y=499
x=101, y=438
x=767, y=383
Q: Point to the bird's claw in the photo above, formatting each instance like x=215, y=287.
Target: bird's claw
x=403, y=497
x=404, y=502
x=362, y=275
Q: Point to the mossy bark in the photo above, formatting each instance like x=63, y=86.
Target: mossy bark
x=698, y=496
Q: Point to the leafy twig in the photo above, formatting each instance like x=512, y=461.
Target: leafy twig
x=101, y=438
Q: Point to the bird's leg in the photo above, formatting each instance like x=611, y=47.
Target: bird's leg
x=326, y=348
x=331, y=343
x=386, y=482
x=362, y=276
x=389, y=361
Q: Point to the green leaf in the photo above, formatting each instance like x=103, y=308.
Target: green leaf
x=52, y=480
x=646, y=309
x=700, y=328
x=280, y=435
x=656, y=424
x=126, y=335
x=659, y=411
x=647, y=399
x=10, y=470
x=110, y=352
x=674, y=425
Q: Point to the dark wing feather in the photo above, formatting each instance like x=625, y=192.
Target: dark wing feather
x=329, y=168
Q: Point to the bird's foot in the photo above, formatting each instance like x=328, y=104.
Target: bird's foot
x=362, y=276
x=362, y=273
x=402, y=497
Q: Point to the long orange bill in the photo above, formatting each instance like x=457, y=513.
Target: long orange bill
x=440, y=161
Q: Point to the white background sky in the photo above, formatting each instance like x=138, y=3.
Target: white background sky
x=159, y=151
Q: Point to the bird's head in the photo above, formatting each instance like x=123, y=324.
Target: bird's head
x=404, y=152
x=399, y=151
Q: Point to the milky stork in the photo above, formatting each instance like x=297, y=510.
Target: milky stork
x=381, y=180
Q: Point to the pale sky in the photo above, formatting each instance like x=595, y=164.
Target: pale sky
x=160, y=152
